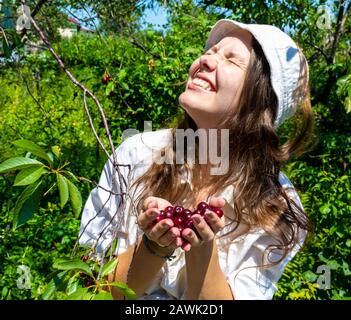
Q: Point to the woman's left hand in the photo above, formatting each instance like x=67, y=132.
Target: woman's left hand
x=206, y=226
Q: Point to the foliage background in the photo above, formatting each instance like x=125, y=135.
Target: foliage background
x=148, y=68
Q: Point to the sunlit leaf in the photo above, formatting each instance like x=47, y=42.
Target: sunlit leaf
x=109, y=267
x=63, y=189
x=27, y=203
x=72, y=264
x=75, y=197
x=18, y=163
x=103, y=296
x=33, y=148
x=29, y=175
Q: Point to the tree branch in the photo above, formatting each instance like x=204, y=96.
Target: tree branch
x=123, y=185
x=332, y=52
x=38, y=7
x=337, y=33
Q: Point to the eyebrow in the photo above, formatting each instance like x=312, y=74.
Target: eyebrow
x=234, y=54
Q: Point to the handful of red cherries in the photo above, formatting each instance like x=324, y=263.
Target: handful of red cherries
x=182, y=217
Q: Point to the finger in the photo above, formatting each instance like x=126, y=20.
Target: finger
x=217, y=202
x=147, y=217
x=186, y=246
x=215, y=223
x=159, y=229
x=191, y=239
x=150, y=201
x=177, y=242
x=169, y=236
x=202, y=228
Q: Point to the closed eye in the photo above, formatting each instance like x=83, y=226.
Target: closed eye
x=233, y=62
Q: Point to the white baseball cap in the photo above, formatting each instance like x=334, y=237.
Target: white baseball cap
x=288, y=65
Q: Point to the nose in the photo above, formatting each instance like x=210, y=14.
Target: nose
x=208, y=62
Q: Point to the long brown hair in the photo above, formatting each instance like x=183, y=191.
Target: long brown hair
x=255, y=160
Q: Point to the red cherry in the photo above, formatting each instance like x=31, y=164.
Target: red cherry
x=106, y=79
x=178, y=221
x=160, y=217
x=178, y=211
x=197, y=211
x=187, y=214
x=88, y=283
x=189, y=224
x=168, y=215
x=217, y=211
x=169, y=209
x=84, y=258
x=202, y=206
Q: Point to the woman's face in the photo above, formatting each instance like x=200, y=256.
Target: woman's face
x=216, y=79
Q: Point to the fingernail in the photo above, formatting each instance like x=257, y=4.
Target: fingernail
x=197, y=219
x=154, y=213
x=168, y=225
x=151, y=204
x=186, y=232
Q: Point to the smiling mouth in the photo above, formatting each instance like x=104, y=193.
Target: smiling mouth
x=202, y=84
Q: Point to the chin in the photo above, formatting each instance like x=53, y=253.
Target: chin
x=190, y=102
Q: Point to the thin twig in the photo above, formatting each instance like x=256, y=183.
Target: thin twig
x=81, y=86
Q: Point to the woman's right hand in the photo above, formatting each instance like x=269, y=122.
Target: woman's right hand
x=164, y=235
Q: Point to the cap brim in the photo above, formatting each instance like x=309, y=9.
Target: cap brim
x=223, y=28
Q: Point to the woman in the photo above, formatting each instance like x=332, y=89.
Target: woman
x=250, y=79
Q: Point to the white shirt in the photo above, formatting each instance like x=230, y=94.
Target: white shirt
x=170, y=283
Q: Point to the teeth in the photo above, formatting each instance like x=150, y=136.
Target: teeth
x=202, y=83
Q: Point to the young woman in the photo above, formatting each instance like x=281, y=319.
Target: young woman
x=250, y=79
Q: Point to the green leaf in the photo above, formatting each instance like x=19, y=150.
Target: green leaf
x=49, y=291
x=51, y=156
x=54, y=285
x=7, y=49
x=346, y=268
x=325, y=209
x=103, y=296
x=333, y=264
x=69, y=173
x=110, y=88
x=18, y=163
x=72, y=264
x=75, y=197
x=72, y=284
x=310, y=276
x=348, y=104
x=128, y=293
x=33, y=148
x=56, y=150
x=29, y=175
x=109, y=267
x=27, y=203
x=63, y=189
x=79, y=294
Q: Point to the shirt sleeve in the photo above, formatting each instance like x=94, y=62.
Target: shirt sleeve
x=101, y=220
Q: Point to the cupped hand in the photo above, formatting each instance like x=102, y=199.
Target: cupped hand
x=206, y=226
x=164, y=233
